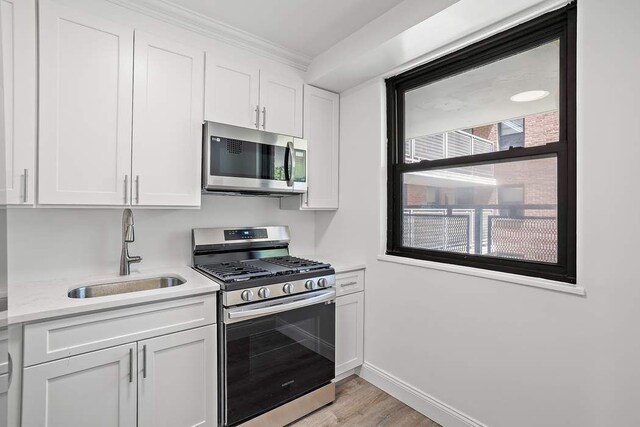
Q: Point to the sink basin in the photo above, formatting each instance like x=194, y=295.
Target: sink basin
x=115, y=288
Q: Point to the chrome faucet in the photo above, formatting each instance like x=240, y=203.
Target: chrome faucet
x=128, y=236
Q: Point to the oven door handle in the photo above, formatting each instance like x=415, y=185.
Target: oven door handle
x=242, y=313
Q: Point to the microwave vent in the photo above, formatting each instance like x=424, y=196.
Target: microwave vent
x=234, y=146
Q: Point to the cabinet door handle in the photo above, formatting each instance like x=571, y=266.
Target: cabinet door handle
x=257, y=123
x=144, y=361
x=26, y=186
x=342, y=285
x=264, y=117
x=126, y=189
x=131, y=365
x=137, y=189
x=10, y=362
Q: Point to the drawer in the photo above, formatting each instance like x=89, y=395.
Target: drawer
x=59, y=338
x=349, y=282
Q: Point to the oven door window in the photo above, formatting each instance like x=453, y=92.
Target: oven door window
x=243, y=159
x=274, y=359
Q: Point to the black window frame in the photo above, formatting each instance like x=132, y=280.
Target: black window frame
x=557, y=25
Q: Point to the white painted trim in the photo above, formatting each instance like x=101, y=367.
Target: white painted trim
x=346, y=374
x=487, y=274
x=422, y=402
x=209, y=27
x=459, y=43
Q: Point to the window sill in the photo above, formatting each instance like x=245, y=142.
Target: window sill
x=488, y=274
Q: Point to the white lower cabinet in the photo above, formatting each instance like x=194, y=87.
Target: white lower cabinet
x=349, y=332
x=94, y=389
x=176, y=384
x=162, y=377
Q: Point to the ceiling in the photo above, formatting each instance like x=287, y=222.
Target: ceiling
x=482, y=95
x=306, y=26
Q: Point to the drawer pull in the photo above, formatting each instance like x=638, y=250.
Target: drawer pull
x=342, y=285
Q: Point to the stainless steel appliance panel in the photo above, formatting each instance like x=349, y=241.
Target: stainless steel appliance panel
x=245, y=160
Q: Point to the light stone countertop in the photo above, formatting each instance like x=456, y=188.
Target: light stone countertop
x=34, y=301
x=339, y=266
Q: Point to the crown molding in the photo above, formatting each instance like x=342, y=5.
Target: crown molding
x=196, y=22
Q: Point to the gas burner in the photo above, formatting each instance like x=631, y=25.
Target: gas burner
x=296, y=265
x=235, y=271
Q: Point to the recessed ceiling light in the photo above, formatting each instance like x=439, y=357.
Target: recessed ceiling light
x=530, y=95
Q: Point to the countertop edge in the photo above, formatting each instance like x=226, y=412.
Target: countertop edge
x=45, y=300
x=43, y=316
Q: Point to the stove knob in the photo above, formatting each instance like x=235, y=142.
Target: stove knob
x=310, y=284
x=322, y=282
x=264, y=293
x=287, y=288
x=247, y=295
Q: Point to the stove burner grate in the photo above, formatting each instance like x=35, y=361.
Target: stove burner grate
x=234, y=271
x=296, y=265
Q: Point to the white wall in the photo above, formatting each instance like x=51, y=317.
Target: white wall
x=50, y=243
x=505, y=354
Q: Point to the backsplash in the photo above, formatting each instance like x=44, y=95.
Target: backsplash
x=51, y=243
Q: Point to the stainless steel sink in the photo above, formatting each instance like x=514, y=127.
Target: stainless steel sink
x=116, y=288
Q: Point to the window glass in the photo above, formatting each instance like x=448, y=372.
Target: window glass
x=509, y=210
x=482, y=153
x=512, y=102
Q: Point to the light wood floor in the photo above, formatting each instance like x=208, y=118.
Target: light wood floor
x=359, y=403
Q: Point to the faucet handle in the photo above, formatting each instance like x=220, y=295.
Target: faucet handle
x=135, y=259
x=129, y=234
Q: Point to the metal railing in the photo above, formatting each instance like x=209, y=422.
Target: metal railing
x=450, y=144
x=526, y=232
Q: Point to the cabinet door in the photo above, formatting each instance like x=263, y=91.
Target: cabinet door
x=167, y=122
x=321, y=130
x=4, y=398
x=177, y=379
x=349, y=332
x=231, y=93
x=19, y=84
x=281, y=104
x=95, y=389
x=86, y=76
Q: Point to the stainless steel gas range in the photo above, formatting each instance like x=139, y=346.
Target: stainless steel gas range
x=276, y=320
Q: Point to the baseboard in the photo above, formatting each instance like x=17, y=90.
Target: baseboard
x=354, y=371
x=428, y=405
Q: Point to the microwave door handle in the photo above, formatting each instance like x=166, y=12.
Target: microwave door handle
x=236, y=315
x=289, y=163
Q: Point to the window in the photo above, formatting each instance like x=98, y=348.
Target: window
x=482, y=152
x=511, y=134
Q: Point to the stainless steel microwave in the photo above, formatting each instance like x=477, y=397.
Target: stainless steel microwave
x=239, y=160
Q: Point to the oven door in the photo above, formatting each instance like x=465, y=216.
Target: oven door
x=275, y=352
x=253, y=161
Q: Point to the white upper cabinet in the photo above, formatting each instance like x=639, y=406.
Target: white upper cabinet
x=19, y=83
x=86, y=75
x=280, y=104
x=321, y=130
x=232, y=93
x=167, y=122
x=243, y=95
